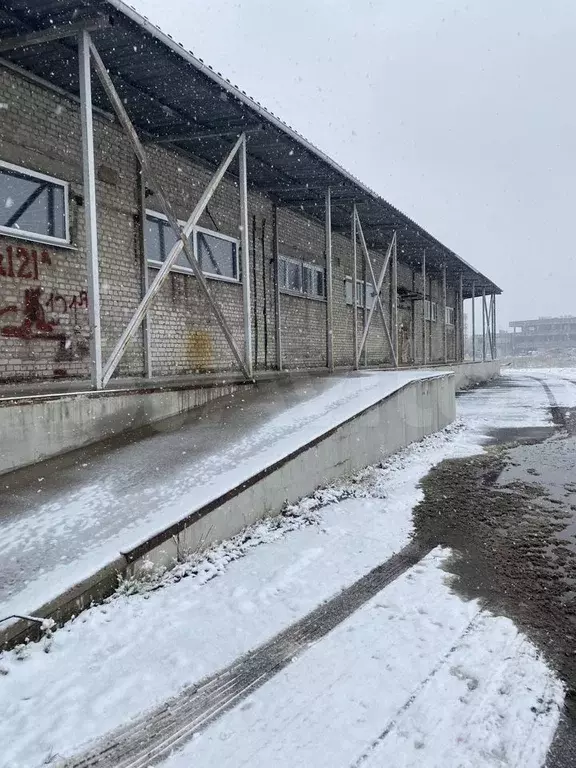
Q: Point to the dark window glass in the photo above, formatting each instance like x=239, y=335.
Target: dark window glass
x=217, y=256
x=32, y=205
x=320, y=289
x=293, y=276
x=160, y=238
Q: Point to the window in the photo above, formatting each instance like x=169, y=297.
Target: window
x=32, y=205
x=430, y=310
x=449, y=316
x=297, y=276
x=370, y=293
x=217, y=254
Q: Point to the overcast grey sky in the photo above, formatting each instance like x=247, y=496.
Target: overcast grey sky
x=460, y=114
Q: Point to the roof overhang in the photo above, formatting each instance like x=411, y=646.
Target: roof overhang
x=173, y=98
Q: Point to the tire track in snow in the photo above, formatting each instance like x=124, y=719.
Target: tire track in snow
x=412, y=698
x=558, y=416
x=153, y=736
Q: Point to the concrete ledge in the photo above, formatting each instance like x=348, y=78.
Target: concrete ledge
x=469, y=374
x=417, y=409
x=410, y=413
x=37, y=428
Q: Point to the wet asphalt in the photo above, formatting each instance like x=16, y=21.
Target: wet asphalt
x=509, y=515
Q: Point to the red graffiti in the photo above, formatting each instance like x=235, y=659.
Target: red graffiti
x=34, y=325
x=58, y=303
x=22, y=263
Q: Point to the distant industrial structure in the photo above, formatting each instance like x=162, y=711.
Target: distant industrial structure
x=545, y=334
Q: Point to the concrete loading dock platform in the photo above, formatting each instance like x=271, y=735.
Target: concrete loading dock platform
x=72, y=524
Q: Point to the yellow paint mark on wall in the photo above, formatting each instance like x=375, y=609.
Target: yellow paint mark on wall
x=199, y=347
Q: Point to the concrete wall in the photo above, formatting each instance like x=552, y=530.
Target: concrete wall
x=74, y=420
x=41, y=132
x=471, y=374
x=40, y=427
x=418, y=409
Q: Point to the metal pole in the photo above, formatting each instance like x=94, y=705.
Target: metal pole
x=329, y=318
x=354, y=293
x=365, y=307
x=444, y=301
x=492, y=329
x=461, y=306
x=424, y=308
x=495, y=329
x=473, y=321
x=245, y=247
x=394, y=307
x=146, y=328
x=277, y=308
x=488, y=314
x=91, y=230
x=483, y=324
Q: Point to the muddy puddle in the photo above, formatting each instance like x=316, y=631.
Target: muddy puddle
x=509, y=515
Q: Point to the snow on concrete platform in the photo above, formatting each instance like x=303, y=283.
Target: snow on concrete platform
x=388, y=674
x=63, y=519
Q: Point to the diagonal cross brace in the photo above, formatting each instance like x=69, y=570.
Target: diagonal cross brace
x=378, y=289
x=183, y=234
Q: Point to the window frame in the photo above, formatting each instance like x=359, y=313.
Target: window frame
x=370, y=293
x=430, y=311
x=301, y=263
x=156, y=264
x=23, y=234
x=449, y=313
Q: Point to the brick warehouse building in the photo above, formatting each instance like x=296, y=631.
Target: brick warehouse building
x=84, y=229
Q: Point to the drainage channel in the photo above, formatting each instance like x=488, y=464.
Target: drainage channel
x=156, y=734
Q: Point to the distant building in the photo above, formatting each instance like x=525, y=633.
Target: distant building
x=542, y=335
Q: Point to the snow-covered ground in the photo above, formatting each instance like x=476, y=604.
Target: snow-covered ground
x=62, y=525
x=415, y=678
x=562, y=382
x=401, y=676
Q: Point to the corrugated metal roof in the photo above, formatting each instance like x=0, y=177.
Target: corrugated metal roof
x=174, y=97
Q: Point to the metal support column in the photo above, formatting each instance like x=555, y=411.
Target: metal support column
x=277, y=309
x=491, y=326
x=473, y=321
x=483, y=324
x=424, y=308
x=91, y=230
x=444, y=304
x=146, y=327
x=354, y=292
x=394, y=307
x=495, y=329
x=329, y=318
x=245, y=248
x=461, y=312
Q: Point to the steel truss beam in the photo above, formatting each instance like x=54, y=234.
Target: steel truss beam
x=56, y=32
x=90, y=226
x=182, y=234
x=329, y=315
x=391, y=252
